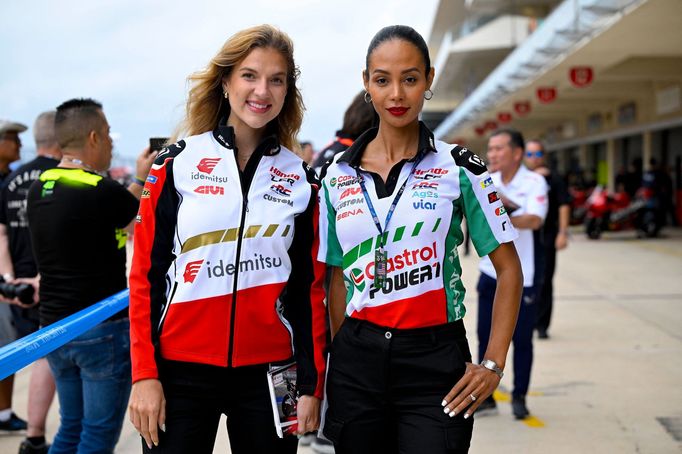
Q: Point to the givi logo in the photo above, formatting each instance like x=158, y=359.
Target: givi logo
x=211, y=190
x=207, y=165
x=191, y=271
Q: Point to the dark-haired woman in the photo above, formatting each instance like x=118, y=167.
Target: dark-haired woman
x=401, y=377
x=224, y=278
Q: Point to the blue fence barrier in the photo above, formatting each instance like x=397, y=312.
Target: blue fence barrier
x=24, y=351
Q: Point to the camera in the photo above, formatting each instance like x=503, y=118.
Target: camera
x=24, y=292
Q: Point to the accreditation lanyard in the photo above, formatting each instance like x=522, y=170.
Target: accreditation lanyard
x=380, y=255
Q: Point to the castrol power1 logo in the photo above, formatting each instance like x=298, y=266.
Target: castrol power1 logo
x=423, y=261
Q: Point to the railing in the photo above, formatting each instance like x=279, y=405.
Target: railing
x=24, y=351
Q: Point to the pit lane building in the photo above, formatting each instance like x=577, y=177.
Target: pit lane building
x=599, y=81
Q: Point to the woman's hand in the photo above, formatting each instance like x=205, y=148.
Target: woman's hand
x=148, y=409
x=473, y=388
x=308, y=410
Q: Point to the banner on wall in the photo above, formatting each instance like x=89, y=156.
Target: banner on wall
x=546, y=94
x=522, y=107
x=581, y=76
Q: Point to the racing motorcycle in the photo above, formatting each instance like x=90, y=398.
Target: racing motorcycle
x=614, y=212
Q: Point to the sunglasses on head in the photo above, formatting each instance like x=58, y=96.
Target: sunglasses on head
x=534, y=154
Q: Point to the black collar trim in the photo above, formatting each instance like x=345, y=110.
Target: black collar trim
x=224, y=134
x=353, y=155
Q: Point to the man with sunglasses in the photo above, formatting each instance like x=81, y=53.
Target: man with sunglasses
x=524, y=197
x=555, y=232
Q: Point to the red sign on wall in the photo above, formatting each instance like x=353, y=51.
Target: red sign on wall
x=492, y=125
x=546, y=94
x=522, y=108
x=581, y=76
x=479, y=130
x=504, y=117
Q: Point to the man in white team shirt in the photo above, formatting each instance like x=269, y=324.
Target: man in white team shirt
x=524, y=195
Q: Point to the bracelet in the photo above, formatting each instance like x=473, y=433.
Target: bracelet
x=138, y=180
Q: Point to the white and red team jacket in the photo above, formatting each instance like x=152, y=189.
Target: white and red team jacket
x=224, y=270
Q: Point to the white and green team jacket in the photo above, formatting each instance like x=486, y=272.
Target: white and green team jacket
x=424, y=286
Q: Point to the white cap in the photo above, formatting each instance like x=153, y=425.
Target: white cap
x=11, y=126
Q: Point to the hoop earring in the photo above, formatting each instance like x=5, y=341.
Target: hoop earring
x=368, y=97
x=428, y=94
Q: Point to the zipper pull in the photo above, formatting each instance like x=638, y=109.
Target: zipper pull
x=246, y=204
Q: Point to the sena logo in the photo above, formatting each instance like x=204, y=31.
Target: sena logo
x=210, y=190
x=493, y=197
x=487, y=182
x=349, y=213
x=145, y=194
x=426, y=185
x=500, y=211
x=281, y=190
x=207, y=165
x=349, y=192
x=191, y=271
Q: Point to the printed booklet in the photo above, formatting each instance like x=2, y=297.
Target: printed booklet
x=283, y=394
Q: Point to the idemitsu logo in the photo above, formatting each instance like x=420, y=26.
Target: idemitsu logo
x=191, y=271
x=207, y=165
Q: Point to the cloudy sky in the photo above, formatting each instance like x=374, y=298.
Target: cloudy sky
x=134, y=56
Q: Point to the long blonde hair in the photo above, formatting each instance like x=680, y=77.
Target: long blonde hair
x=206, y=103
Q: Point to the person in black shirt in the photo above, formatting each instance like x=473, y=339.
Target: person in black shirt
x=555, y=232
x=17, y=261
x=78, y=222
x=10, y=144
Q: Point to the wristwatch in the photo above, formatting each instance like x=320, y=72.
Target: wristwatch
x=492, y=365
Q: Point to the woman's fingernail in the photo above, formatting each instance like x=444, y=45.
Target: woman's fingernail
x=156, y=443
x=466, y=415
x=444, y=403
x=163, y=427
x=453, y=413
x=446, y=410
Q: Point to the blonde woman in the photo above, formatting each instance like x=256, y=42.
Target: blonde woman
x=224, y=278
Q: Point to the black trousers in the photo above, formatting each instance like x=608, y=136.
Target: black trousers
x=196, y=396
x=545, y=298
x=385, y=388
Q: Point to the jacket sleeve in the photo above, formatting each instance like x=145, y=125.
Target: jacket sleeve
x=152, y=257
x=304, y=298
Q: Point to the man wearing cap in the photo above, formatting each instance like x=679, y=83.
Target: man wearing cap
x=17, y=261
x=10, y=143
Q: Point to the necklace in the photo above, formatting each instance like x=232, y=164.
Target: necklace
x=78, y=162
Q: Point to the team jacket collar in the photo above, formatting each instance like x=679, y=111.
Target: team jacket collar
x=224, y=134
x=353, y=154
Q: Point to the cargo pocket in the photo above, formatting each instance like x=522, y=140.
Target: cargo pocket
x=332, y=430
